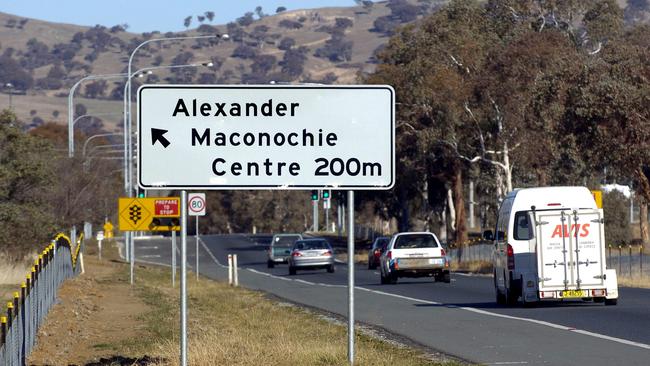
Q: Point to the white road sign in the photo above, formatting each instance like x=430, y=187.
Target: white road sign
x=196, y=204
x=266, y=136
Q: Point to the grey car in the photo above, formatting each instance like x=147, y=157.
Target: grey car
x=311, y=254
x=280, y=248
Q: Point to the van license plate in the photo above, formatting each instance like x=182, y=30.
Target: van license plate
x=573, y=293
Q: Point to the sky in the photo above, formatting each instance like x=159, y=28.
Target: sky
x=149, y=15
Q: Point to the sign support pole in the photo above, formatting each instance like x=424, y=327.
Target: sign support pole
x=197, y=248
x=174, y=258
x=183, y=278
x=327, y=216
x=132, y=248
x=351, y=277
x=315, y=215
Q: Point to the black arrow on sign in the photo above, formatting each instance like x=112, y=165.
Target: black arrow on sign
x=157, y=135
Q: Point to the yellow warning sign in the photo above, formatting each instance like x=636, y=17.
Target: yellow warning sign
x=149, y=214
x=108, y=229
x=598, y=197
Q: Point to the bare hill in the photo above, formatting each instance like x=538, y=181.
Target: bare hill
x=326, y=45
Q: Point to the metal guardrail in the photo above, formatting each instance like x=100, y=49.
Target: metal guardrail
x=26, y=312
x=629, y=261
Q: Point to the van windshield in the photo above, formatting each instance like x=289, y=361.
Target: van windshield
x=415, y=241
x=285, y=240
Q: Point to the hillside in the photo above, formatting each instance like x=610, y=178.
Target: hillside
x=326, y=45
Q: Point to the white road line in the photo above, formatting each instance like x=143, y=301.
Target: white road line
x=474, y=310
x=303, y=281
x=148, y=248
x=508, y=363
x=148, y=256
x=210, y=253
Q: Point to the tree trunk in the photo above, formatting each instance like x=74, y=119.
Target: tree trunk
x=508, y=168
x=643, y=220
x=452, y=209
x=461, y=226
x=644, y=198
x=404, y=219
x=542, y=178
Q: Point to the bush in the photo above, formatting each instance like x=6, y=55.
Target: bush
x=617, y=218
x=12, y=72
x=290, y=24
x=287, y=43
x=343, y=23
x=263, y=64
x=293, y=61
x=336, y=49
x=26, y=180
x=246, y=20
x=244, y=52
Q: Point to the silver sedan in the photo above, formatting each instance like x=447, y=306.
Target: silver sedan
x=311, y=254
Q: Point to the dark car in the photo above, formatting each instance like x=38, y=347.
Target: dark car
x=378, y=247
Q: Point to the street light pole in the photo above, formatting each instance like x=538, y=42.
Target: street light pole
x=96, y=136
x=128, y=184
x=71, y=105
x=10, y=86
x=128, y=94
x=128, y=148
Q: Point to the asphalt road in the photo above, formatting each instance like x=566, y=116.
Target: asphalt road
x=460, y=319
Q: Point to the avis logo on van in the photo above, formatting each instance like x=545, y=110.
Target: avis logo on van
x=582, y=230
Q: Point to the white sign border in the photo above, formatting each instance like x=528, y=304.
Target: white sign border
x=268, y=186
x=203, y=198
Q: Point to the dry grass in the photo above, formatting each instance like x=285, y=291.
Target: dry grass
x=231, y=326
x=359, y=257
x=227, y=326
x=12, y=274
x=636, y=281
x=472, y=266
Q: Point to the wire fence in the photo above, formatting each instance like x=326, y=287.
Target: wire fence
x=628, y=260
x=26, y=312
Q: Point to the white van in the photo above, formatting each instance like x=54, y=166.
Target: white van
x=550, y=245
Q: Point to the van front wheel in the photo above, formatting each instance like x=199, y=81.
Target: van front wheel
x=501, y=298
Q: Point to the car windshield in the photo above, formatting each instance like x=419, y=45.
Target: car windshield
x=380, y=243
x=285, y=241
x=311, y=244
x=415, y=241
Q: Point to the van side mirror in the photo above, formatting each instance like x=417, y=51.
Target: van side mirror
x=487, y=235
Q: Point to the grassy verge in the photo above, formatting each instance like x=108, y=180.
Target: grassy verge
x=636, y=281
x=227, y=326
x=483, y=267
x=235, y=326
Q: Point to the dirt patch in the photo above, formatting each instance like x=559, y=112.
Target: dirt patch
x=95, y=311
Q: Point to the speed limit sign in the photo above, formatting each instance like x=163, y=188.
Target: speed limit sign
x=196, y=204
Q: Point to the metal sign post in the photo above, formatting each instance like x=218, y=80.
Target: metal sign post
x=266, y=137
x=315, y=215
x=196, y=207
x=196, y=238
x=173, y=259
x=183, y=278
x=351, y=277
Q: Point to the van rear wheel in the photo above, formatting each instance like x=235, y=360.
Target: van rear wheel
x=501, y=298
x=611, y=301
